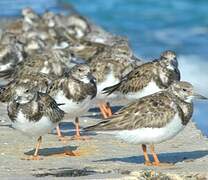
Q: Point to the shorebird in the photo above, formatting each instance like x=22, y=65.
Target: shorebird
x=108, y=67
x=33, y=80
x=33, y=113
x=152, y=119
x=148, y=78
x=76, y=92
x=11, y=55
x=52, y=62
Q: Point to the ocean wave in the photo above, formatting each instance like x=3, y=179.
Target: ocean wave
x=194, y=70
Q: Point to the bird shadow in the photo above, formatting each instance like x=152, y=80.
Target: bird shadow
x=65, y=172
x=163, y=157
x=68, y=129
x=52, y=151
x=6, y=125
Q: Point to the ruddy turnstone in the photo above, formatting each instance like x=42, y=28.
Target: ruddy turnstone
x=86, y=50
x=33, y=113
x=53, y=62
x=75, y=24
x=152, y=119
x=109, y=67
x=148, y=78
x=76, y=91
x=11, y=55
x=40, y=81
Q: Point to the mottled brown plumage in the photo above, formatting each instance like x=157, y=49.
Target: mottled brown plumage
x=37, y=106
x=40, y=81
x=48, y=62
x=73, y=86
x=153, y=111
x=115, y=59
x=162, y=71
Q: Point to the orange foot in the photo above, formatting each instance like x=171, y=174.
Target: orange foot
x=34, y=158
x=147, y=163
x=80, y=138
x=162, y=164
x=71, y=153
x=66, y=153
x=63, y=139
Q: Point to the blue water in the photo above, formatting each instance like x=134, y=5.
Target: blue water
x=151, y=26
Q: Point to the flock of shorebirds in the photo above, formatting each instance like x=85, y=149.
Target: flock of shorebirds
x=53, y=64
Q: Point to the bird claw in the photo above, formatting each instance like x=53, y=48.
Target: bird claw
x=33, y=158
x=80, y=138
x=148, y=163
x=159, y=164
x=64, y=139
x=71, y=153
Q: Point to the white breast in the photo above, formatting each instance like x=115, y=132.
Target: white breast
x=5, y=66
x=45, y=70
x=151, y=88
x=31, y=128
x=109, y=81
x=71, y=107
x=152, y=135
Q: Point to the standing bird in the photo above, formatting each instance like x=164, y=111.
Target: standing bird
x=11, y=55
x=148, y=78
x=76, y=92
x=152, y=119
x=33, y=113
x=108, y=67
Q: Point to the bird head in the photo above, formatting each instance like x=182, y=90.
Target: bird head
x=185, y=91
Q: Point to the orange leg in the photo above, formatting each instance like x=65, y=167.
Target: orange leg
x=156, y=160
x=60, y=136
x=105, y=110
x=146, y=157
x=109, y=109
x=36, y=156
x=77, y=136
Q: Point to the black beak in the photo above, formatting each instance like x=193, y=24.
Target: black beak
x=91, y=77
x=199, y=96
x=174, y=62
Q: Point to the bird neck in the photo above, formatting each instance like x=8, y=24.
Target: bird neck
x=186, y=107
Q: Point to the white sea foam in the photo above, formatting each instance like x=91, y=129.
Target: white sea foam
x=195, y=70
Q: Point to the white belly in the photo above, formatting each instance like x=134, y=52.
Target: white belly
x=72, y=108
x=109, y=81
x=151, y=135
x=31, y=128
x=151, y=88
x=5, y=67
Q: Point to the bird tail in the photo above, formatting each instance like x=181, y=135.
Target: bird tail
x=109, y=90
x=96, y=127
x=60, y=104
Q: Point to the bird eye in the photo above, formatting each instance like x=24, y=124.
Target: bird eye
x=184, y=90
x=27, y=90
x=79, y=70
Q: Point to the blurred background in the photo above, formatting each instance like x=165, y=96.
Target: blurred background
x=152, y=26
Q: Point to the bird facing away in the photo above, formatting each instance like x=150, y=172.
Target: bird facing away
x=148, y=78
x=109, y=67
x=33, y=113
x=152, y=119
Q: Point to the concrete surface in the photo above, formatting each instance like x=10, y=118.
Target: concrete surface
x=101, y=157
